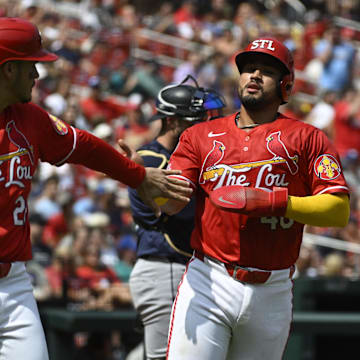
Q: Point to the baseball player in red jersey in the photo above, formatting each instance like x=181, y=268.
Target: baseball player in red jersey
x=258, y=177
x=28, y=135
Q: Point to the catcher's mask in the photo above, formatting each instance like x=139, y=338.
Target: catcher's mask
x=191, y=103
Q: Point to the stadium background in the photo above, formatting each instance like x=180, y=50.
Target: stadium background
x=115, y=55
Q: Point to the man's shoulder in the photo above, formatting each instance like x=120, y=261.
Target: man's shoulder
x=154, y=154
x=26, y=107
x=215, y=125
x=26, y=111
x=293, y=124
x=153, y=145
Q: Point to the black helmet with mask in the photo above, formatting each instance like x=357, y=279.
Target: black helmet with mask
x=191, y=103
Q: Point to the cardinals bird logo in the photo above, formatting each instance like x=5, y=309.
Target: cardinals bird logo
x=212, y=158
x=19, y=139
x=279, y=150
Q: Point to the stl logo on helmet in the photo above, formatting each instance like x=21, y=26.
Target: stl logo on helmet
x=59, y=126
x=326, y=167
x=262, y=44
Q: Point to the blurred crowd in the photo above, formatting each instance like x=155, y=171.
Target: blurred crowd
x=114, y=57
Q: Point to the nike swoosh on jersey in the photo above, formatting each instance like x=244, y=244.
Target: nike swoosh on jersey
x=226, y=201
x=211, y=134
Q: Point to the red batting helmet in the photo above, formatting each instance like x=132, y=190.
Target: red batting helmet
x=21, y=40
x=277, y=50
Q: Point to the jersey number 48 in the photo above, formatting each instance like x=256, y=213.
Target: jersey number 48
x=274, y=221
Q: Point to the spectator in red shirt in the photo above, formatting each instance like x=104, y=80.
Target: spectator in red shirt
x=97, y=108
x=58, y=225
x=347, y=123
x=107, y=292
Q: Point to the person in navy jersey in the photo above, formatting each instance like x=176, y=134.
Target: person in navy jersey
x=164, y=243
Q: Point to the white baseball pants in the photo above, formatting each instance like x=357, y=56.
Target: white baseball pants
x=217, y=317
x=21, y=332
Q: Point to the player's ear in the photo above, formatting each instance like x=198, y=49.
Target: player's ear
x=8, y=69
x=285, y=86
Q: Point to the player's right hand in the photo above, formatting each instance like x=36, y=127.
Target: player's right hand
x=157, y=183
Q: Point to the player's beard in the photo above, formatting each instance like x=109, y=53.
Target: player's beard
x=23, y=93
x=25, y=99
x=252, y=102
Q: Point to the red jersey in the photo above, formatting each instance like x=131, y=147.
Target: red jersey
x=285, y=153
x=28, y=135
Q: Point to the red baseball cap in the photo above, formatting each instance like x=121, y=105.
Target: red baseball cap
x=21, y=40
x=269, y=47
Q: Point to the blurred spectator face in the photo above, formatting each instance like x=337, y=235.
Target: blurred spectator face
x=129, y=18
x=245, y=11
x=30, y=9
x=51, y=188
x=333, y=34
x=195, y=59
x=126, y=250
x=95, y=86
x=128, y=256
x=70, y=115
x=166, y=8
x=80, y=241
x=96, y=237
x=330, y=97
x=218, y=4
x=92, y=256
x=347, y=7
x=333, y=265
x=36, y=230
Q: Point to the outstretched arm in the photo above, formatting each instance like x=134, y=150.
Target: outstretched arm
x=96, y=154
x=154, y=201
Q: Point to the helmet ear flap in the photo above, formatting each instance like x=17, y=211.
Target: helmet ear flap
x=285, y=86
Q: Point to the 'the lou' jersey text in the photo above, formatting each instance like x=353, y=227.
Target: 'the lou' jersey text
x=282, y=153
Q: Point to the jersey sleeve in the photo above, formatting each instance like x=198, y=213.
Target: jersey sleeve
x=185, y=158
x=56, y=139
x=60, y=143
x=324, y=167
x=98, y=155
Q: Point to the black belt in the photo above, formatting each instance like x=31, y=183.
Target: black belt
x=146, y=226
